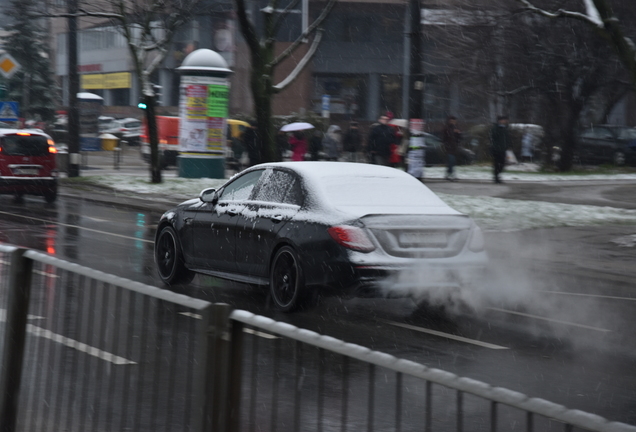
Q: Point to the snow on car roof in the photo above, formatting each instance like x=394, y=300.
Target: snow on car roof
x=361, y=189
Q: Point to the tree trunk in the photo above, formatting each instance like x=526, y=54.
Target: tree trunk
x=153, y=138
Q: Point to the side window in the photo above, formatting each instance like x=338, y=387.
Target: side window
x=279, y=187
x=241, y=188
x=588, y=133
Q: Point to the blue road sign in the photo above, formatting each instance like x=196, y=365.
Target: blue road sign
x=9, y=111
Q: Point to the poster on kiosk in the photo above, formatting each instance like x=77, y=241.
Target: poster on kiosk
x=203, y=112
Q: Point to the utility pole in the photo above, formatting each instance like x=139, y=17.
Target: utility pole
x=73, y=88
x=416, y=84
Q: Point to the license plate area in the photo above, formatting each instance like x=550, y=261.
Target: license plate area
x=422, y=239
x=25, y=171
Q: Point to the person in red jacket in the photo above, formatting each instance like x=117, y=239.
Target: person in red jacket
x=298, y=145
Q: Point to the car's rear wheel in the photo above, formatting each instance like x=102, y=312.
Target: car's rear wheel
x=286, y=282
x=169, y=258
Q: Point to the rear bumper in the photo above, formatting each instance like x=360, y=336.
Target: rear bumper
x=27, y=185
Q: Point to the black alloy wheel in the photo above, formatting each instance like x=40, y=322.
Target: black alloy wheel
x=169, y=258
x=286, y=282
x=50, y=196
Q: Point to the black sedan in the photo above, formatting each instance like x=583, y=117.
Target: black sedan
x=307, y=228
x=607, y=144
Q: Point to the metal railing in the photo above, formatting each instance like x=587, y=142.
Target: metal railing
x=95, y=351
x=84, y=350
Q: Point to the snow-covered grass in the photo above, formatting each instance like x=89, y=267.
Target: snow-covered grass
x=532, y=173
x=498, y=214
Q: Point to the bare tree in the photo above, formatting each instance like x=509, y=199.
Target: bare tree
x=264, y=62
x=599, y=15
x=510, y=61
x=148, y=27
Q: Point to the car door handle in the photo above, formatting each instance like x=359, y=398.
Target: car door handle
x=232, y=212
x=277, y=218
x=187, y=220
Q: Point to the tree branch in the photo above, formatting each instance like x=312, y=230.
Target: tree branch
x=301, y=64
x=562, y=13
x=599, y=15
x=325, y=12
x=247, y=29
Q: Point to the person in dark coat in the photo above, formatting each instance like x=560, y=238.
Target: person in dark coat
x=499, y=144
x=380, y=140
x=451, y=136
x=352, y=142
x=315, y=145
x=252, y=145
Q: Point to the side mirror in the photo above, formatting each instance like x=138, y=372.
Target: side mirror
x=209, y=196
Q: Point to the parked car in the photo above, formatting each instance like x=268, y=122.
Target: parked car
x=106, y=123
x=27, y=164
x=329, y=227
x=607, y=144
x=128, y=129
x=435, y=154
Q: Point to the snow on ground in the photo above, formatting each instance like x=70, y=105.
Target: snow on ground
x=492, y=214
x=526, y=172
x=498, y=214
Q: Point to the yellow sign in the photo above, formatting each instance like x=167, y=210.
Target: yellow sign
x=93, y=81
x=117, y=80
x=8, y=65
x=106, y=81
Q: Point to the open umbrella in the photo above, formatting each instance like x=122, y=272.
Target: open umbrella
x=399, y=122
x=296, y=126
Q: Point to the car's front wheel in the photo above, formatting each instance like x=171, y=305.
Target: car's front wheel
x=286, y=282
x=619, y=158
x=169, y=258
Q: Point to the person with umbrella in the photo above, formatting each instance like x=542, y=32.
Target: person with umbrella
x=297, y=142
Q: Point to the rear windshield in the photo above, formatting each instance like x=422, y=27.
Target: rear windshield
x=627, y=133
x=22, y=145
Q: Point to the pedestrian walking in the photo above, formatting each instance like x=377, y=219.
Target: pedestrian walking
x=298, y=145
x=315, y=145
x=527, y=146
x=332, y=142
x=499, y=145
x=352, y=142
x=451, y=137
x=380, y=139
x=252, y=145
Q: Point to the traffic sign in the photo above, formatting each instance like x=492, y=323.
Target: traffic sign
x=9, y=111
x=8, y=65
x=326, y=99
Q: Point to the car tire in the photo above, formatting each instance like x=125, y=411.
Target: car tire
x=169, y=259
x=286, y=281
x=619, y=158
x=50, y=196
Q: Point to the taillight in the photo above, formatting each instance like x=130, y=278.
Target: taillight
x=52, y=149
x=351, y=237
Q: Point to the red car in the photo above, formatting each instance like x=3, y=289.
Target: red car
x=27, y=164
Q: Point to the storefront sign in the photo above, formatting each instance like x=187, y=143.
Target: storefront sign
x=107, y=81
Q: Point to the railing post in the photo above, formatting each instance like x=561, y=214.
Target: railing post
x=214, y=357
x=15, y=337
x=235, y=373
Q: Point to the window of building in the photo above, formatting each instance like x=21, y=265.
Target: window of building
x=347, y=94
x=121, y=97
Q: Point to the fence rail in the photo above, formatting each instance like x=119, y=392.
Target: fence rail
x=84, y=350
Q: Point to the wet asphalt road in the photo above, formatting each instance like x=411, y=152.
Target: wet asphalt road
x=555, y=318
